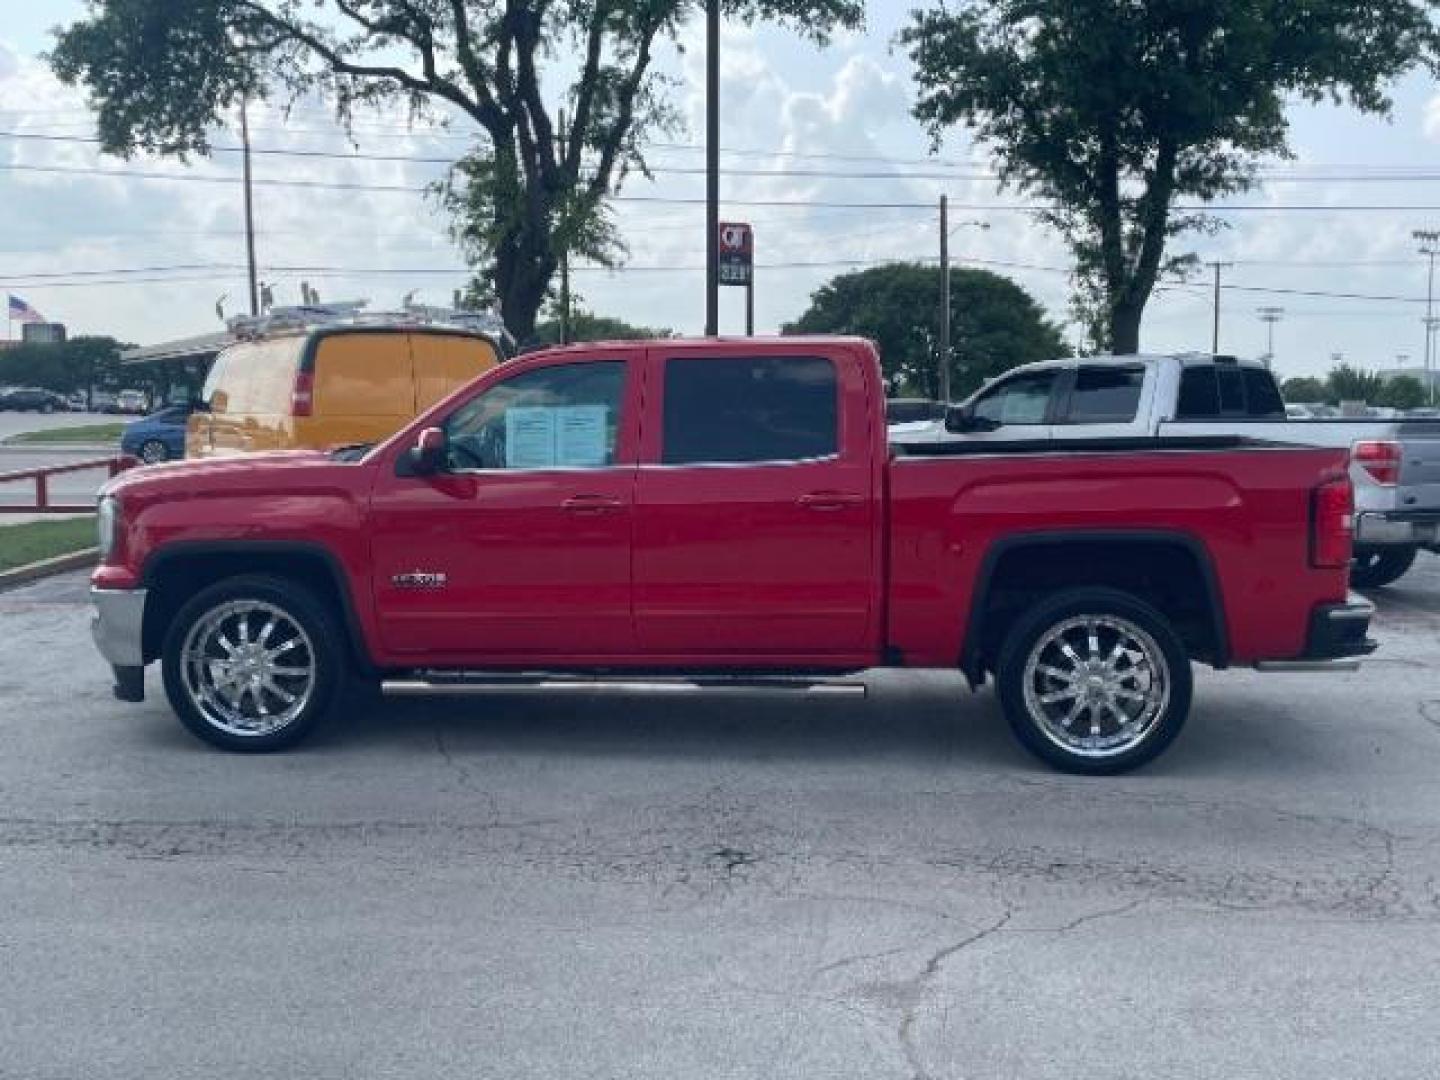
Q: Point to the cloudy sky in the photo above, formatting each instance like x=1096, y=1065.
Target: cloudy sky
x=145, y=259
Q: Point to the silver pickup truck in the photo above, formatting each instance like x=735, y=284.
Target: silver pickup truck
x=1395, y=464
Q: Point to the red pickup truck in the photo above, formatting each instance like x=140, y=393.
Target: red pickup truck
x=724, y=511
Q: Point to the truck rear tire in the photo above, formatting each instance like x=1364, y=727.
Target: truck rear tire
x=253, y=663
x=1373, y=567
x=1094, y=681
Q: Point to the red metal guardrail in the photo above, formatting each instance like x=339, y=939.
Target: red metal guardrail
x=41, y=479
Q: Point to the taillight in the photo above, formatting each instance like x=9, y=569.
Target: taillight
x=302, y=398
x=1332, y=523
x=1380, y=458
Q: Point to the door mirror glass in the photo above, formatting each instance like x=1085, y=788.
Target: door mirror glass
x=961, y=420
x=428, y=453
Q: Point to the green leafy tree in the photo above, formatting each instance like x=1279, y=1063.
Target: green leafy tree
x=163, y=73
x=586, y=326
x=994, y=324
x=1305, y=388
x=1348, y=383
x=1113, y=111
x=1403, y=392
x=64, y=367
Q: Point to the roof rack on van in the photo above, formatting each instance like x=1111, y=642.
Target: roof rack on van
x=351, y=313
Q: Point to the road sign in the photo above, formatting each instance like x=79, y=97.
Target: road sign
x=737, y=254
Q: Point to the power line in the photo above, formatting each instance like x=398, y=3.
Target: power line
x=953, y=172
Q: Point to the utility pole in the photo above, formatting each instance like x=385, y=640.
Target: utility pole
x=249, y=207
x=1270, y=316
x=945, y=233
x=943, y=384
x=712, y=168
x=1217, y=266
x=564, y=255
x=1429, y=240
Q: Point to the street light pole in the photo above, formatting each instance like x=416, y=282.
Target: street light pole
x=712, y=168
x=945, y=233
x=1429, y=240
x=1270, y=316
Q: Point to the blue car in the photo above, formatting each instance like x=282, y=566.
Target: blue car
x=157, y=437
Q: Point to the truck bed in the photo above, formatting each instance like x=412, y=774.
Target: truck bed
x=1238, y=508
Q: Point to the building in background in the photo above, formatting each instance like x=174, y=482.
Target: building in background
x=42, y=333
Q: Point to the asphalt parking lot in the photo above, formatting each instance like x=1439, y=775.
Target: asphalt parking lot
x=531, y=886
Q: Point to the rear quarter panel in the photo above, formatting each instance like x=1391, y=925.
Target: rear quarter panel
x=1248, y=509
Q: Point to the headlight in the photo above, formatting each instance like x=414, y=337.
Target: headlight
x=107, y=520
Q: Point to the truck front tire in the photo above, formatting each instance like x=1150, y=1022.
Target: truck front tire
x=253, y=663
x=1094, y=681
x=1374, y=567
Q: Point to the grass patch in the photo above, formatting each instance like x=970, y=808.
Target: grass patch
x=36, y=540
x=87, y=433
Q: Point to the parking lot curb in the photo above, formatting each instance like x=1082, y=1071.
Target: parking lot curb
x=24, y=575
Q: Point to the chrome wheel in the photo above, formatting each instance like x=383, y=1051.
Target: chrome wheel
x=1096, y=685
x=248, y=667
x=153, y=452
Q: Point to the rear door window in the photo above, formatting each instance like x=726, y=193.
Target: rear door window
x=772, y=408
x=1262, y=396
x=1105, y=395
x=1232, y=391
x=1199, y=394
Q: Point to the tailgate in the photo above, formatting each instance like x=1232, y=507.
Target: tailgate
x=1419, y=485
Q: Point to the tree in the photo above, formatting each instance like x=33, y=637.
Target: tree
x=995, y=324
x=1403, y=392
x=162, y=73
x=64, y=366
x=586, y=326
x=1346, y=383
x=1113, y=111
x=1305, y=388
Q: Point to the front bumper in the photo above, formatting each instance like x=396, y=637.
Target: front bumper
x=118, y=628
x=1339, y=635
x=1412, y=528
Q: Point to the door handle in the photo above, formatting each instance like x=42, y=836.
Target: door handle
x=591, y=504
x=830, y=500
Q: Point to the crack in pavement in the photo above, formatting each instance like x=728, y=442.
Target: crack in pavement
x=1430, y=712
x=918, y=985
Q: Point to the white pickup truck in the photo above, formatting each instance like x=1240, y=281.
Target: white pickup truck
x=1395, y=464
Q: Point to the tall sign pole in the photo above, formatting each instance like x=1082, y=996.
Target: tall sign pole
x=249, y=207
x=736, y=265
x=712, y=168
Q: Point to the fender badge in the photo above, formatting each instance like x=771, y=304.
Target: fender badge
x=420, y=579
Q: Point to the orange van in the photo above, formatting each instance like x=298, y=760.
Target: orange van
x=331, y=386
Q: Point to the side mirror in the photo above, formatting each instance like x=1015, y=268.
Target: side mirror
x=199, y=405
x=428, y=453
x=961, y=420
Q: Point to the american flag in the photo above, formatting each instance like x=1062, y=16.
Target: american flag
x=19, y=309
